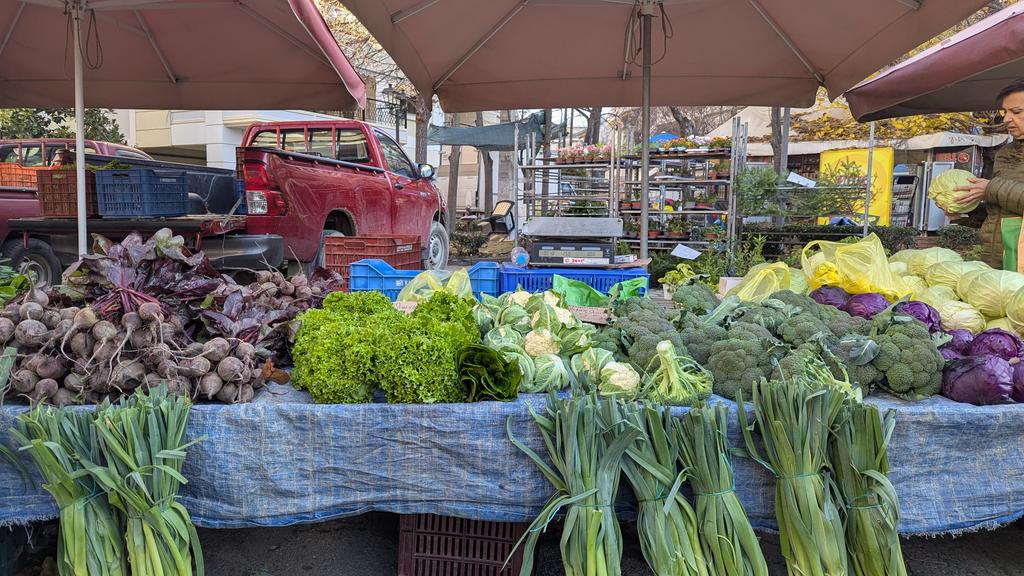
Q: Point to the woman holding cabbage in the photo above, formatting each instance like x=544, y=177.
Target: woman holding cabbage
x=1003, y=194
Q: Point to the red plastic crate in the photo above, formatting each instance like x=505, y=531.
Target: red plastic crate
x=58, y=193
x=431, y=545
x=401, y=252
x=14, y=175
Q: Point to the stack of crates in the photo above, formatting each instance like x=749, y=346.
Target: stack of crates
x=401, y=252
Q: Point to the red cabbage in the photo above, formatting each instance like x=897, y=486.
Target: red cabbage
x=926, y=314
x=978, y=380
x=950, y=354
x=866, y=305
x=1018, y=382
x=960, y=340
x=831, y=295
x=997, y=342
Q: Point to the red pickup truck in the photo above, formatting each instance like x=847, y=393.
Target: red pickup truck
x=303, y=181
x=307, y=180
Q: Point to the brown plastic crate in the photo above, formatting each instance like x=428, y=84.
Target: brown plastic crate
x=14, y=175
x=431, y=545
x=58, y=193
x=402, y=252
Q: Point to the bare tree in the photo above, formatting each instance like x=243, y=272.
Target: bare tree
x=593, y=116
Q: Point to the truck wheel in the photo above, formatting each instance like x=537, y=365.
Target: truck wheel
x=437, y=248
x=37, y=260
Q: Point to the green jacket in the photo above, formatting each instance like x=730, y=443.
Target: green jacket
x=1004, y=198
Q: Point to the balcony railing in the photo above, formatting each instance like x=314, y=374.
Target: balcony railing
x=380, y=112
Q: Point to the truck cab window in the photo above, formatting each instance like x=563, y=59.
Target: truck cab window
x=121, y=153
x=395, y=157
x=294, y=140
x=9, y=153
x=265, y=139
x=320, y=143
x=32, y=155
x=352, y=146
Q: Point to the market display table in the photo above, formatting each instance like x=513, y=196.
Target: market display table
x=282, y=460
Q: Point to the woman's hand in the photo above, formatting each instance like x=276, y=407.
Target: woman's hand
x=974, y=191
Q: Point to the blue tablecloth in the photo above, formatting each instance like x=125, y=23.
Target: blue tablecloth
x=282, y=460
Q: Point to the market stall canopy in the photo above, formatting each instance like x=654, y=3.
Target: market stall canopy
x=166, y=54
x=963, y=73
x=496, y=137
x=508, y=54
x=662, y=137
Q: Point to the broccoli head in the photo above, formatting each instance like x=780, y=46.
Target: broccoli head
x=742, y=358
x=769, y=313
x=843, y=324
x=695, y=297
x=908, y=358
x=699, y=338
x=608, y=338
x=801, y=328
x=806, y=304
x=643, y=327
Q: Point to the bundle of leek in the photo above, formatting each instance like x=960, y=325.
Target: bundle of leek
x=586, y=468
x=728, y=542
x=665, y=521
x=142, y=441
x=858, y=452
x=794, y=417
x=91, y=538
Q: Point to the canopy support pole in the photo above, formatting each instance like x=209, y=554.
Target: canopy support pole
x=646, y=15
x=83, y=245
x=784, y=148
x=867, y=193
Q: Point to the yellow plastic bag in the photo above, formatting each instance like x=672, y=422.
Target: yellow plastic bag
x=762, y=281
x=856, y=268
x=420, y=288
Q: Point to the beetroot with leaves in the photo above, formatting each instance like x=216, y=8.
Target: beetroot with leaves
x=978, y=380
x=831, y=295
x=997, y=342
x=926, y=314
x=866, y=305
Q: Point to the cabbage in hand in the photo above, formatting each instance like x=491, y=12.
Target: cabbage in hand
x=944, y=191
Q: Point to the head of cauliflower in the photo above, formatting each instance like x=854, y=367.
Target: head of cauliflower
x=541, y=341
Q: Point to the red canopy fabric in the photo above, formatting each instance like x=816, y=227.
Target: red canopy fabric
x=964, y=73
x=176, y=54
x=504, y=54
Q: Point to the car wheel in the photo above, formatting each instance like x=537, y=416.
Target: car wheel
x=436, y=257
x=35, y=260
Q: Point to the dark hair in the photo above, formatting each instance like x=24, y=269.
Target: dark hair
x=1017, y=86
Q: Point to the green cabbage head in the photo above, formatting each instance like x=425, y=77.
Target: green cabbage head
x=919, y=263
x=956, y=315
x=936, y=295
x=991, y=291
x=944, y=191
x=949, y=272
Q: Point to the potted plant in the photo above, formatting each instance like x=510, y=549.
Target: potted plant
x=631, y=228
x=712, y=233
x=678, y=227
x=723, y=169
x=720, y=143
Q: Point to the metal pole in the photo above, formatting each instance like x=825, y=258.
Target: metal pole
x=646, y=14
x=867, y=193
x=83, y=244
x=515, y=184
x=784, y=154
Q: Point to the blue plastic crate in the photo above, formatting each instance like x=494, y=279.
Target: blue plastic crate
x=141, y=193
x=373, y=274
x=541, y=279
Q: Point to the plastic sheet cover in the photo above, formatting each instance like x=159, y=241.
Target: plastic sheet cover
x=282, y=460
